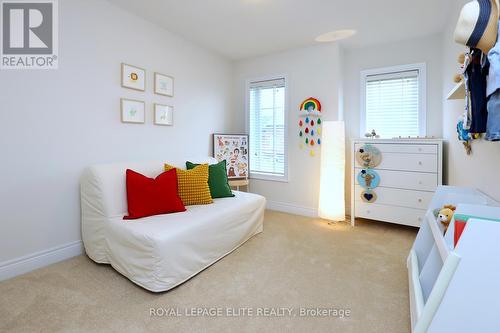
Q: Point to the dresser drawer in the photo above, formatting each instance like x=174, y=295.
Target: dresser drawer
x=402, y=148
x=408, y=162
x=406, y=180
x=397, y=197
x=399, y=215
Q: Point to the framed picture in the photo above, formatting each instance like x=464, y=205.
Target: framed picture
x=133, y=77
x=163, y=115
x=234, y=149
x=164, y=85
x=133, y=111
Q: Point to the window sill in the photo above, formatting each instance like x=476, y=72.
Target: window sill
x=258, y=176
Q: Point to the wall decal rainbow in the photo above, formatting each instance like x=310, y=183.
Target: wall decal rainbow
x=310, y=104
x=310, y=125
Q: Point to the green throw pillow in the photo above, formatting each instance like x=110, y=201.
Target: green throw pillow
x=217, y=179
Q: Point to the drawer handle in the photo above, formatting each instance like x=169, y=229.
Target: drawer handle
x=419, y=219
x=420, y=182
x=367, y=211
x=419, y=162
x=419, y=149
x=419, y=200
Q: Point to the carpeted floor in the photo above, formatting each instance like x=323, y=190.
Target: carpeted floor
x=297, y=263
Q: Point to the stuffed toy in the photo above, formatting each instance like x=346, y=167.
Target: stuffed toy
x=445, y=215
x=465, y=137
x=461, y=58
x=457, y=78
x=437, y=210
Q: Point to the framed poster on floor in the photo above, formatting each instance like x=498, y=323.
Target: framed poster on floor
x=234, y=149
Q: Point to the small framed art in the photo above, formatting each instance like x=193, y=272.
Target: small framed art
x=234, y=149
x=133, y=77
x=132, y=111
x=163, y=115
x=164, y=85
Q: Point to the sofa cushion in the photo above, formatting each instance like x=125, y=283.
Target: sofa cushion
x=193, y=185
x=217, y=179
x=148, y=196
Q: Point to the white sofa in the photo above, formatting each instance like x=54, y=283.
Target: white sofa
x=161, y=252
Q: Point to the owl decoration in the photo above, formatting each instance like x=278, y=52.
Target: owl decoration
x=310, y=125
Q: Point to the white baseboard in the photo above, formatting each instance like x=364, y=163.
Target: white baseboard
x=292, y=209
x=18, y=266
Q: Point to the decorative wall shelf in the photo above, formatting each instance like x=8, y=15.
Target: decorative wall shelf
x=458, y=92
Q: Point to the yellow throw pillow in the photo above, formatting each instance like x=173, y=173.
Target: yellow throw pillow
x=193, y=185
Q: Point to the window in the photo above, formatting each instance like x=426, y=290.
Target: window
x=267, y=129
x=393, y=101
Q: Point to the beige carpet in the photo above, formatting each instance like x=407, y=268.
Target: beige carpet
x=295, y=263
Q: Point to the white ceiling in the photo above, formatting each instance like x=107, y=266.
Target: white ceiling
x=245, y=28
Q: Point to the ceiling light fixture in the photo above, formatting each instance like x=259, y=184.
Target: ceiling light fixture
x=336, y=35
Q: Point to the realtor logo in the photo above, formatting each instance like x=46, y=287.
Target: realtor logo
x=29, y=34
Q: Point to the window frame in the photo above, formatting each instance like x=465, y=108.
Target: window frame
x=422, y=93
x=264, y=176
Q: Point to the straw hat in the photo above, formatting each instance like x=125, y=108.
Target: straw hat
x=478, y=24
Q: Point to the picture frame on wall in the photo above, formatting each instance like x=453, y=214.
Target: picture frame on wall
x=132, y=111
x=163, y=115
x=163, y=85
x=233, y=148
x=133, y=77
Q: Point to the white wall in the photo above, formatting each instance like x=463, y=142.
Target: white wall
x=311, y=71
x=479, y=169
x=427, y=50
x=333, y=75
x=55, y=123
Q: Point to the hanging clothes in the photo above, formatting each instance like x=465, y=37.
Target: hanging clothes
x=493, y=128
x=494, y=69
x=476, y=80
x=466, y=117
x=493, y=92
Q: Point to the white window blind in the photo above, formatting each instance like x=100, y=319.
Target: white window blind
x=267, y=128
x=393, y=105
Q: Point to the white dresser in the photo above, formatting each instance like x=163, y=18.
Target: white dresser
x=410, y=171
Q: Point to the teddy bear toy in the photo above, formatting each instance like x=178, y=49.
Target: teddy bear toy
x=445, y=215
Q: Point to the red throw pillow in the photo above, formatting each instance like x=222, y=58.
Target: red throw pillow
x=148, y=196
